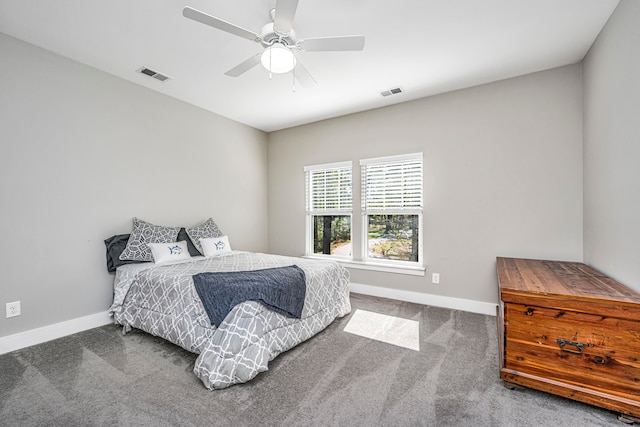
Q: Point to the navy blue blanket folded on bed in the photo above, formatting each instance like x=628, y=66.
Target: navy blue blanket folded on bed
x=281, y=289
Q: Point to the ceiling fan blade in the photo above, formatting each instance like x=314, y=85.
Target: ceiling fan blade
x=245, y=66
x=220, y=24
x=302, y=75
x=332, y=43
x=283, y=19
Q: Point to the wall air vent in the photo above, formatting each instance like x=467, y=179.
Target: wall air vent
x=149, y=72
x=393, y=91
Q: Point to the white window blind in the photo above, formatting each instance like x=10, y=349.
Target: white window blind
x=329, y=188
x=392, y=184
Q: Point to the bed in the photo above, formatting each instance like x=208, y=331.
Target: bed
x=161, y=299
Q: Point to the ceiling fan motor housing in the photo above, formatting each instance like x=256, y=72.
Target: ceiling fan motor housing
x=270, y=36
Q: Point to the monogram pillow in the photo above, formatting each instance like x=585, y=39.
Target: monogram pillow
x=215, y=246
x=144, y=233
x=174, y=251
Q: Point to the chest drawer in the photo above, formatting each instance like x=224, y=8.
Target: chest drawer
x=597, y=352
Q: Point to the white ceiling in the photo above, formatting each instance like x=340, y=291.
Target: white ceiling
x=424, y=46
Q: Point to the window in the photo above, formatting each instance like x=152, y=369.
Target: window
x=329, y=209
x=392, y=208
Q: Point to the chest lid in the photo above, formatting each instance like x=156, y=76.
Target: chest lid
x=565, y=285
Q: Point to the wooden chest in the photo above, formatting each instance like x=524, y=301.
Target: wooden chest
x=567, y=329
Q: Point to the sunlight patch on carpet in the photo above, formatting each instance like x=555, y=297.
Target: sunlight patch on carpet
x=389, y=329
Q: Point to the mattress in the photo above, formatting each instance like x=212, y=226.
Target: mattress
x=161, y=299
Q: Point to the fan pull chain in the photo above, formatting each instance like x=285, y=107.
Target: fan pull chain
x=293, y=73
x=270, y=65
x=293, y=78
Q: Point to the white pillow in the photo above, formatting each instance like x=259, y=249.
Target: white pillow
x=214, y=246
x=173, y=251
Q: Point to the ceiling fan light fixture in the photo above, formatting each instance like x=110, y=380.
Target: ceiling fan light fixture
x=278, y=59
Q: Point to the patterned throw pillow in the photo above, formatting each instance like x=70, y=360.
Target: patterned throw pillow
x=143, y=233
x=203, y=231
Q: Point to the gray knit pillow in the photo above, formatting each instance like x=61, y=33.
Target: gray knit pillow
x=143, y=233
x=208, y=229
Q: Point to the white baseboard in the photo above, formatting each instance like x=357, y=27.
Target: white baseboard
x=47, y=333
x=426, y=299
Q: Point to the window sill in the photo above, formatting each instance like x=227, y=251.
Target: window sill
x=386, y=268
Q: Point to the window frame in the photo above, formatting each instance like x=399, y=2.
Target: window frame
x=310, y=212
x=412, y=210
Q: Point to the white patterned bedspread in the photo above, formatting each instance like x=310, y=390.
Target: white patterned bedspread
x=162, y=300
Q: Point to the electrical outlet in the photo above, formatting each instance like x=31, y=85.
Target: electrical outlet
x=13, y=309
x=435, y=278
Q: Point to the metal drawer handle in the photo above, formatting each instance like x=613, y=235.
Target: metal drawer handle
x=562, y=342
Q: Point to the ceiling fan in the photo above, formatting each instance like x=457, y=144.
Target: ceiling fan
x=279, y=41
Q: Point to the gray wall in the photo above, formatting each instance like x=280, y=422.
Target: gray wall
x=83, y=152
x=503, y=177
x=612, y=147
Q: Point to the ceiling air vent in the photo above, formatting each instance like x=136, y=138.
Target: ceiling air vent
x=154, y=74
x=393, y=91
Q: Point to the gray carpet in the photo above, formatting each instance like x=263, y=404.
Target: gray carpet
x=100, y=377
